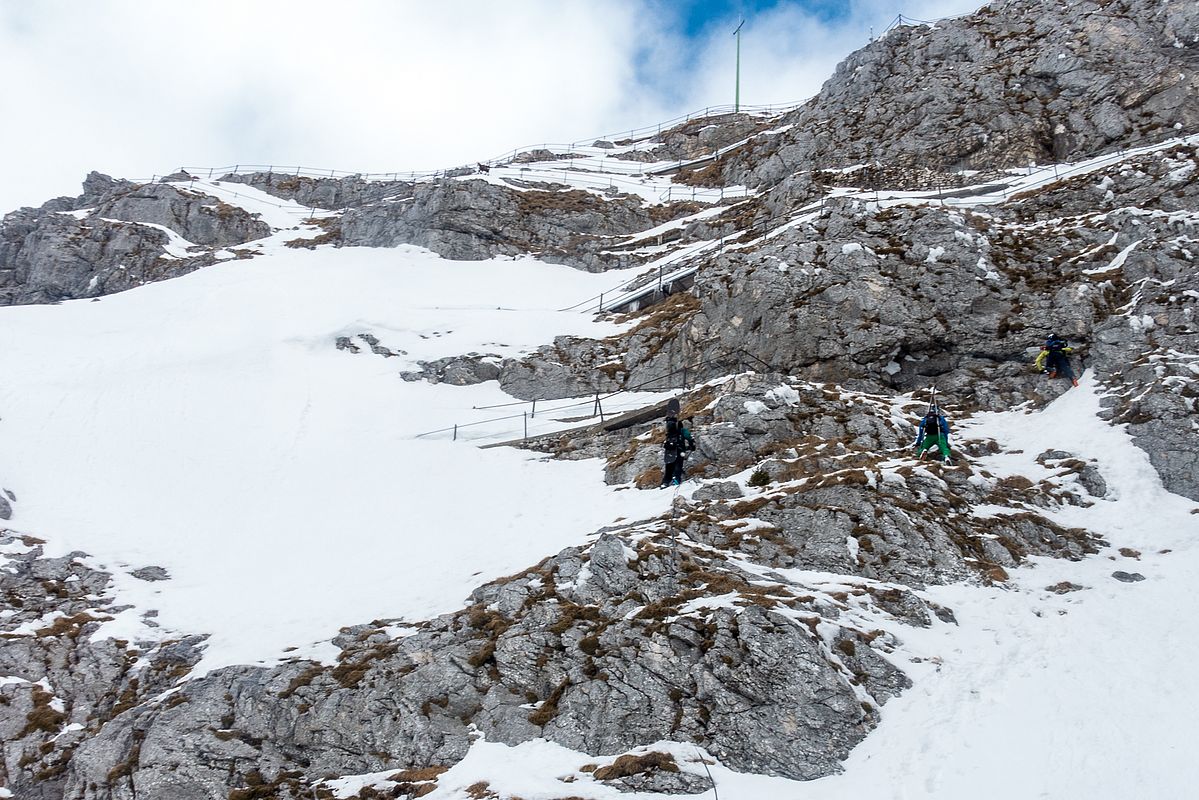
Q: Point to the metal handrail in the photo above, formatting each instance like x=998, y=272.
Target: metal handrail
x=309, y=172
x=598, y=399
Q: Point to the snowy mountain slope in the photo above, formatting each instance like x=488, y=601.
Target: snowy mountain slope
x=1056, y=681
x=275, y=428
x=323, y=320
x=207, y=425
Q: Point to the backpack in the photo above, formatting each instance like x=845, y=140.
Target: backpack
x=935, y=425
x=674, y=434
x=1055, y=345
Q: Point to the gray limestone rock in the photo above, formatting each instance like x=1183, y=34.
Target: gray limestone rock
x=110, y=239
x=458, y=370
x=1019, y=81
x=472, y=220
x=69, y=686
x=718, y=490
x=590, y=649
x=198, y=218
x=151, y=574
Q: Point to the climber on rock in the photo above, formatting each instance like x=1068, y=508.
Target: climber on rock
x=1054, y=360
x=933, y=431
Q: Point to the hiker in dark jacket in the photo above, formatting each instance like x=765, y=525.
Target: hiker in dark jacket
x=675, y=447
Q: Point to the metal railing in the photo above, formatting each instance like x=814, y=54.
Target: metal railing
x=411, y=175
x=689, y=374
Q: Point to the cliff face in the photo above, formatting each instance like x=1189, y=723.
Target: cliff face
x=1018, y=82
x=886, y=246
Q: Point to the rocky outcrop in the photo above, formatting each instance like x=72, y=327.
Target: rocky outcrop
x=600, y=649
x=464, y=370
x=473, y=220
x=1019, y=81
x=696, y=138
x=200, y=219
x=59, y=686
x=330, y=194
x=111, y=238
x=901, y=297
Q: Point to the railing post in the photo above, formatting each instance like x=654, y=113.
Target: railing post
x=601, y=305
x=455, y=432
x=534, y=413
x=526, y=419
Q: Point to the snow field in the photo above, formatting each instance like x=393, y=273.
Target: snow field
x=208, y=425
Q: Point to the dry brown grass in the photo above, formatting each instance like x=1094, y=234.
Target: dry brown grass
x=480, y=791
x=419, y=774
x=332, y=233
x=303, y=679
x=668, y=315
x=649, y=479
x=42, y=717
x=549, y=709
x=354, y=668
x=711, y=176
x=568, y=200
x=70, y=626
x=628, y=765
x=669, y=212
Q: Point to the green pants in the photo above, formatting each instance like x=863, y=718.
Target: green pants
x=940, y=441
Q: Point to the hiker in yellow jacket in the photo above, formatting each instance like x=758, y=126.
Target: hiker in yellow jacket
x=1054, y=359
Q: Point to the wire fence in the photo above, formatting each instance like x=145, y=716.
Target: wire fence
x=647, y=281
x=903, y=21
x=688, y=375
x=210, y=173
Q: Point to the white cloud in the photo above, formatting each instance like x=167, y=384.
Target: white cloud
x=137, y=88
